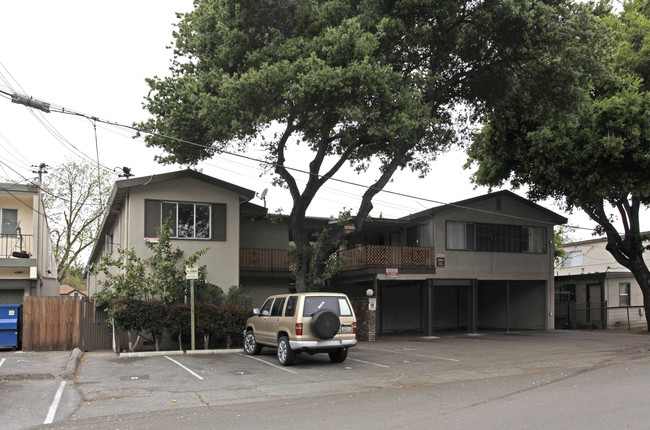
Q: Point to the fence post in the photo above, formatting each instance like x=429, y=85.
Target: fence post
x=628, y=319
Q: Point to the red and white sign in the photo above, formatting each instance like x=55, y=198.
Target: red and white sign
x=391, y=273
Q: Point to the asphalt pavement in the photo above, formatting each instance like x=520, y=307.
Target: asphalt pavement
x=169, y=389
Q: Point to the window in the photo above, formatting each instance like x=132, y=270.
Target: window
x=291, y=306
x=573, y=259
x=187, y=220
x=495, y=238
x=9, y=221
x=460, y=235
x=313, y=304
x=108, y=244
x=624, y=294
x=266, y=309
x=204, y=221
x=276, y=311
x=533, y=240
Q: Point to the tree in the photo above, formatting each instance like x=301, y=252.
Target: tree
x=74, y=198
x=590, y=151
x=357, y=82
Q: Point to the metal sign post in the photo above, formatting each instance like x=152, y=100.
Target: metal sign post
x=192, y=273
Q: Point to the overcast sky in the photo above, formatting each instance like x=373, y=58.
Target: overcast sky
x=93, y=57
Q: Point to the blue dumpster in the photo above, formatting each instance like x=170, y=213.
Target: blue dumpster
x=9, y=324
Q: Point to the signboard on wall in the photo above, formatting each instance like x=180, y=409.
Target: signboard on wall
x=440, y=261
x=391, y=273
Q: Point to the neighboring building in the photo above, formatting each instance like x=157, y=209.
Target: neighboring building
x=592, y=290
x=27, y=263
x=482, y=263
x=68, y=291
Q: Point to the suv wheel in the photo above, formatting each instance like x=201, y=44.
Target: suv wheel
x=325, y=324
x=250, y=344
x=339, y=355
x=286, y=355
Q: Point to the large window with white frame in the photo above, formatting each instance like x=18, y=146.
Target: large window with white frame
x=485, y=237
x=187, y=220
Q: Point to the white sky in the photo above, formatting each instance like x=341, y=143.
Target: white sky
x=93, y=57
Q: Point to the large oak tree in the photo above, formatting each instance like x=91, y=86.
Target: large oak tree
x=360, y=83
x=592, y=152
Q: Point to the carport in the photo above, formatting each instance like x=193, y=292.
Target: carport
x=434, y=305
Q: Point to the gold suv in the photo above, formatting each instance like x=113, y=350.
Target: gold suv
x=309, y=322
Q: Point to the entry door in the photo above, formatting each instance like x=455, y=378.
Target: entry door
x=595, y=306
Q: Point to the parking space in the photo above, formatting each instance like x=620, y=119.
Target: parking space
x=108, y=385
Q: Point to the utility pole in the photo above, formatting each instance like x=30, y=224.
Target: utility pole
x=40, y=213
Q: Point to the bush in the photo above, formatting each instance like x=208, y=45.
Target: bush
x=178, y=322
x=206, y=317
x=232, y=322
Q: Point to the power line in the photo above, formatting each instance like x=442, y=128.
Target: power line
x=63, y=110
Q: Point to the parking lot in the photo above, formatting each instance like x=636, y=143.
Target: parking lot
x=33, y=393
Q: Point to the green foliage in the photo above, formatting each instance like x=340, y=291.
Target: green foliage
x=168, y=271
x=155, y=314
x=205, y=291
x=232, y=322
x=178, y=322
x=359, y=83
x=124, y=275
x=237, y=297
x=206, y=320
x=74, y=199
x=589, y=147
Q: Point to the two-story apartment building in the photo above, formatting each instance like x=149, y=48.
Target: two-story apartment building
x=27, y=264
x=204, y=213
x=482, y=263
x=592, y=290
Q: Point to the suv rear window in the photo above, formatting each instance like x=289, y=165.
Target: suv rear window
x=314, y=304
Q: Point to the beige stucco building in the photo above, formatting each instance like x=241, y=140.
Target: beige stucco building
x=482, y=263
x=27, y=263
x=594, y=291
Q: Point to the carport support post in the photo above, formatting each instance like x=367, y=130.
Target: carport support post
x=192, y=312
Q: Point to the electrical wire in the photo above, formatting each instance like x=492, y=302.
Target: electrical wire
x=65, y=111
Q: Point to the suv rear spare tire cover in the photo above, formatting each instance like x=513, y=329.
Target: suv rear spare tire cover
x=325, y=324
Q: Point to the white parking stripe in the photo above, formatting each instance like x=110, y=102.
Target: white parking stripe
x=367, y=362
x=2, y=361
x=410, y=353
x=271, y=364
x=184, y=367
x=55, y=404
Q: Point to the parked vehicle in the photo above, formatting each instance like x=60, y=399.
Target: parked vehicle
x=305, y=322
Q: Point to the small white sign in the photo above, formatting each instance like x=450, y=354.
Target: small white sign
x=391, y=273
x=372, y=304
x=192, y=272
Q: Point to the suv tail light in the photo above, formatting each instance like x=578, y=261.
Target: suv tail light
x=354, y=328
x=298, y=329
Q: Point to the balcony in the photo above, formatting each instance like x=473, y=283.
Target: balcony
x=377, y=256
x=16, y=246
x=363, y=257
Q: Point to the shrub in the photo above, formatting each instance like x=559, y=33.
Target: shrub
x=178, y=322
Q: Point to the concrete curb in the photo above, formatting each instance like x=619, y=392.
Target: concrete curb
x=178, y=352
x=72, y=366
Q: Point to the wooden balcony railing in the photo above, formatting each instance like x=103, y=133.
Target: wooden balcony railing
x=16, y=246
x=271, y=260
x=371, y=256
x=376, y=256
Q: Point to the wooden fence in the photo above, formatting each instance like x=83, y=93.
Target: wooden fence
x=63, y=323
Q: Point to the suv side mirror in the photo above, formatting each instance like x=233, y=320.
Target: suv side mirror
x=256, y=311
